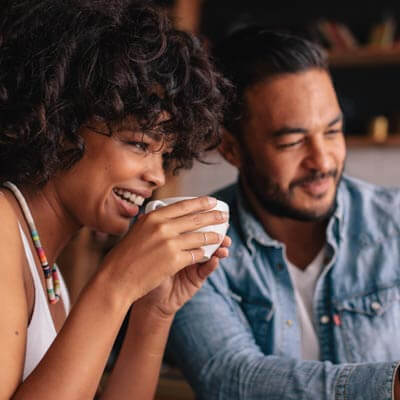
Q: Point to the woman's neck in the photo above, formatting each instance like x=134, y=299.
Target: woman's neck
x=54, y=223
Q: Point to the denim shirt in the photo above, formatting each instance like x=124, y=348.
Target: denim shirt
x=239, y=336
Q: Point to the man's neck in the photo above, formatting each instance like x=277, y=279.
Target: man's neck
x=303, y=240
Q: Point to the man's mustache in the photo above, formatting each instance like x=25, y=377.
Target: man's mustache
x=315, y=176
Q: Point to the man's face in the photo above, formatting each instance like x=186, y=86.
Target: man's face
x=293, y=149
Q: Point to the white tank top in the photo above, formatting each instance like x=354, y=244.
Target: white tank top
x=41, y=329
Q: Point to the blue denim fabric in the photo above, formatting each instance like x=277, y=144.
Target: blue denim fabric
x=233, y=339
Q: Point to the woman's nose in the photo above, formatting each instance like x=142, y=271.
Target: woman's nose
x=154, y=172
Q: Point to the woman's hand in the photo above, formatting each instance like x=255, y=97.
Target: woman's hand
x=158, y=246
x=176, y=290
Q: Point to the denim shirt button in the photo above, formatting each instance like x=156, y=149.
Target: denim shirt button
x=289, y=322
x=324, y=319
x=376, y=306
x=280, y=266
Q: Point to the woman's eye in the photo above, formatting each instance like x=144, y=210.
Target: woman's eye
x=140, y=146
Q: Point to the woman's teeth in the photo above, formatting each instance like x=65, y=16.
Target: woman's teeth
x=129, y=196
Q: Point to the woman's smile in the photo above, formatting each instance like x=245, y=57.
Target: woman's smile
x=127, y=202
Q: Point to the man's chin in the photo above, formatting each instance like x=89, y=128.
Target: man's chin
x=316, y=215
x=306, y=214
x=317, y=206
x=311, y=213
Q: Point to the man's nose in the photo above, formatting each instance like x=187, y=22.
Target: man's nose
x=318, y=155
x=154, y=172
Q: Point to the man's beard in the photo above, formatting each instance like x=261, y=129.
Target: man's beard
x=278, y=202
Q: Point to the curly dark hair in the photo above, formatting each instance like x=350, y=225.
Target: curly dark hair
x=65, y=62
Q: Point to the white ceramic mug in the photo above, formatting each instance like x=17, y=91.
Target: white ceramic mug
x=209, y=249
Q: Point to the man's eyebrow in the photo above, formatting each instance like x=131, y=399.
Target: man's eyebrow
x=289, y=130
x=293, y=130
x=339, y=118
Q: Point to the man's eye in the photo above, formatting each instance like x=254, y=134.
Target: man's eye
x=290, y=144
x=332, y=132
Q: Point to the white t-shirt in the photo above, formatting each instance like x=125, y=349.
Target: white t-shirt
x=304, y=282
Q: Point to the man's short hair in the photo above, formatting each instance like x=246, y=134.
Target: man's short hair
x=254, y=54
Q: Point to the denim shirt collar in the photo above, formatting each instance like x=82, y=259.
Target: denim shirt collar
x=253, y=231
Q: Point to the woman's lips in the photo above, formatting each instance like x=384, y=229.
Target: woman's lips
x=126, y=208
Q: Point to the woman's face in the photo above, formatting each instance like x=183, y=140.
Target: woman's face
x=105, y=189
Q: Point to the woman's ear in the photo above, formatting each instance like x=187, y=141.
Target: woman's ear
x=230, y=149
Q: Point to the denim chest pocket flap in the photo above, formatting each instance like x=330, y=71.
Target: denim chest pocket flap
x=372, y=304
x=369, y=323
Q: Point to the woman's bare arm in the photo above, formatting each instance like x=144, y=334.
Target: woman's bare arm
x=73, y=365
x=13, y=303
x=136, y=372
x=138, y=366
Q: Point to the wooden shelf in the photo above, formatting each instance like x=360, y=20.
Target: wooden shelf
x=354, y=141
x=173, y=389
x=365, y=56
x=173, y=386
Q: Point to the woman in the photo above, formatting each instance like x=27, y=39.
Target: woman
x=97, y=100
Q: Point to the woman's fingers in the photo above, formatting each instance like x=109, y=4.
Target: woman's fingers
x=222, y=252
x=193, y=222
x=193, y=256
x=226, y=242
x=186, y=207
x=194, y=240
x=204, y=270
x=190, y=215
x=196, y=255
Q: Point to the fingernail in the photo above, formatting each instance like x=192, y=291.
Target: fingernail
x=212, y=201
x=222, y=216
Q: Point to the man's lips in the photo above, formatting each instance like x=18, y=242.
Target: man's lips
x=317, y=187
x=317, y=184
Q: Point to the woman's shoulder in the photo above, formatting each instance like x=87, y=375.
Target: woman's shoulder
x=14, y=311
x=10, y=237
x=8, y=217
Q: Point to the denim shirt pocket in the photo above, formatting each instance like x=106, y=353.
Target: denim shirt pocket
x=258, y=315
x=369, y=325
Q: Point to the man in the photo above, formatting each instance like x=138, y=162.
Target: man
x=308, y=304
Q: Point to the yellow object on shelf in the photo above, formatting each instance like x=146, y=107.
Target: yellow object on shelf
x=379, y=128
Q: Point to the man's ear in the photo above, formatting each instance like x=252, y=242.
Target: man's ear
x=230, y=149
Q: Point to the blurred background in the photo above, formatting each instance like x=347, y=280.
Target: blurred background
x=363, y=42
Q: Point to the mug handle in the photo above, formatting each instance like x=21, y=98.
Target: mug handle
x=154, y=205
